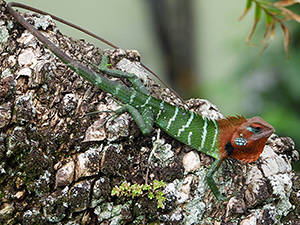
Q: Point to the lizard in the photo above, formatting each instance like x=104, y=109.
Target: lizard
x=232, y=136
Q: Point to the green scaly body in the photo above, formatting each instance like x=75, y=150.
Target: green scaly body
x=186, y=126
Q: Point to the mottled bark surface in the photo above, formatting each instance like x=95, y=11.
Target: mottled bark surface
x=58, y=166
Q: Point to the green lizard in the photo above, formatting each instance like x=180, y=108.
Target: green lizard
x=236, y=137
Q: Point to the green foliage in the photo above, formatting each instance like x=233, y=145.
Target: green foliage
x=274, y=12
x=137, y=190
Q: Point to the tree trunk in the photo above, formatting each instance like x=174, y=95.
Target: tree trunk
x=58, y=165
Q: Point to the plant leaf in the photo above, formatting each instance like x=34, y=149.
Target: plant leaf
x=286, y=3
x=286, y=34
x=248, y=6
x=294, y=16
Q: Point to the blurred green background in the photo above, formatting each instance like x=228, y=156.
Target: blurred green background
x=199, y=48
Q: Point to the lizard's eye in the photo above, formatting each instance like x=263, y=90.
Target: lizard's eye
x=256, y=129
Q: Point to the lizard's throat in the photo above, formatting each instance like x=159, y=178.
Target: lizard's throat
x=246, y=154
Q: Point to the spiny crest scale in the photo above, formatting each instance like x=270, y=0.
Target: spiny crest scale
x=231, y=121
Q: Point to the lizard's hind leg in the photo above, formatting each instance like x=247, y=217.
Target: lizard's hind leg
x=145, y=121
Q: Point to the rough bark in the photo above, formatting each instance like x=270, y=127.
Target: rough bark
x=59, y=166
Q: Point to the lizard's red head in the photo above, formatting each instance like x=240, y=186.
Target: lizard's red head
x=243, y=139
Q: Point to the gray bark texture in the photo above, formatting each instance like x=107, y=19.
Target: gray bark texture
x=59, y=167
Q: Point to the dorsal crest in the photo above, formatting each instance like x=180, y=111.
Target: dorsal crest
x=231, y=122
